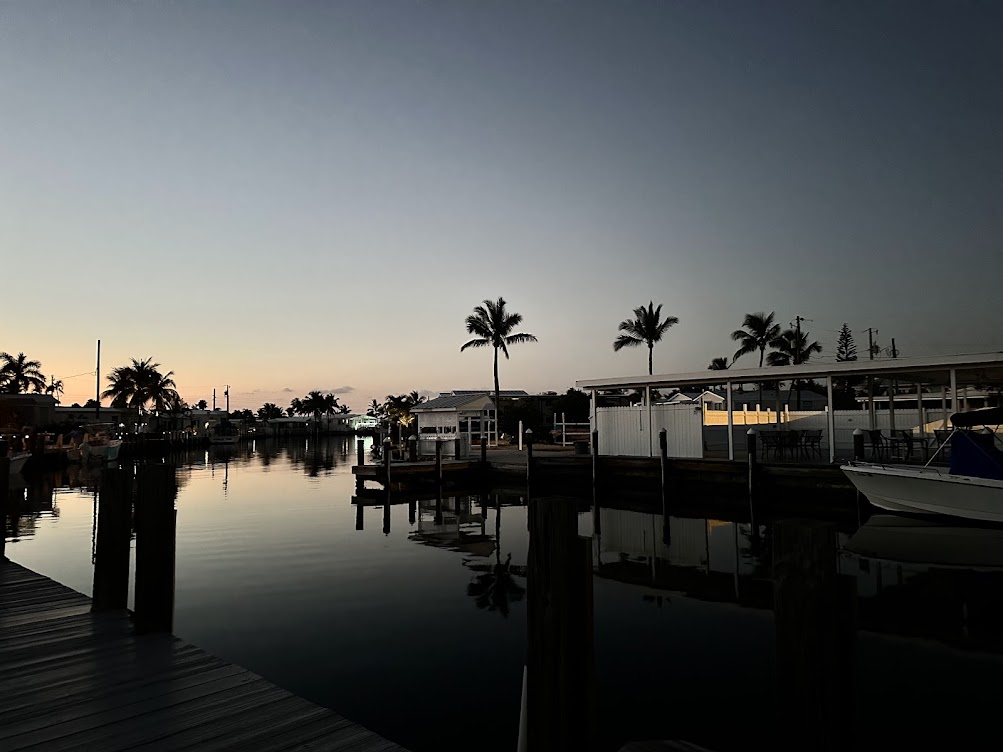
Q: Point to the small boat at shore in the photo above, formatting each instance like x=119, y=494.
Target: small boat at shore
x=100, y=447
x=971, y=488
x=224, y=433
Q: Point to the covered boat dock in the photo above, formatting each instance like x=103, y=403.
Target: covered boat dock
x=951, y=375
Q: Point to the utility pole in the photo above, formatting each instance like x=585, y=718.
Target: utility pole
x=227, y=394
x=870, y=341
x=214, y=399
x=97, y=389
x=797, y=339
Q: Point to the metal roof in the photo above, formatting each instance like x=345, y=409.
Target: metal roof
x=452, y=402
x=490, y=392
x=931, y=369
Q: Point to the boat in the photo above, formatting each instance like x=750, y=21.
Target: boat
x=17, y=461
x=224, y=433
x=100, y=447
x=971, y=488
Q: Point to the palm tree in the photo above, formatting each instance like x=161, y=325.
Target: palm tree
x=269, y=410
x=140, y=383
x=793, y=348
x=494, y=327
x=54, y=387
x=397, y=409
x=201, y=405
x=757, y=333
x=646, y=328
x=18, y=373
x=718, y=364
x=317, y=403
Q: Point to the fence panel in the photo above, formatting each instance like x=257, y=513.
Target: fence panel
x=623, y=431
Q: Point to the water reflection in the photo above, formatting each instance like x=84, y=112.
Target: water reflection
x=820, y=631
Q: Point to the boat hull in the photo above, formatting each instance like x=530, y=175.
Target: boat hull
x=223, y=439
x=928, y=491
x=18, y=461
x=104, y=452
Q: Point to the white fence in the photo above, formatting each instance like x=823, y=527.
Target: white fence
x=624, y=431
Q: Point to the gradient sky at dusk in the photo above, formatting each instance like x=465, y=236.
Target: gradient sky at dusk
x=298, y=195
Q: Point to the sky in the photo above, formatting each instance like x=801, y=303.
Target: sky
x=296, y=195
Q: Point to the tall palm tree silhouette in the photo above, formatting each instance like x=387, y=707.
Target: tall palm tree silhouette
x=495, y=327
x=18, y=374
x=757, y=333
x=646, y=328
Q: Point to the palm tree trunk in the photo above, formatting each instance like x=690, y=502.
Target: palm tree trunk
x=651, y=349
x=497, y=398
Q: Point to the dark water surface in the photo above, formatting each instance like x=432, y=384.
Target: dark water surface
x=800, y=634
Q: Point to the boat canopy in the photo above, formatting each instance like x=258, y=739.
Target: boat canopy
x=974, y=454
x=990, y=416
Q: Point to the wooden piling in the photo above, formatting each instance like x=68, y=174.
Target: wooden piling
x=560, y=654
x=114, y=537
x=412, y=448
x=411, y=510
x=4, y=499
x=387, y=452
x=484, y=452
x=751, y=440
x=457, y=445
x=595, y=457
x=858, y=444
x=156, y=524
x=358, y=515
x=529, y=455
x=438, y=463
x=360, y=452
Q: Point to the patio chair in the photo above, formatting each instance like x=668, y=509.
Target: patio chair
x=791, y=442
x=813, y=442
x=911, y=441
x=879, y=445
x=770, y=441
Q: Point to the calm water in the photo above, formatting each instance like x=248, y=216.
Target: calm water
x=893, y=632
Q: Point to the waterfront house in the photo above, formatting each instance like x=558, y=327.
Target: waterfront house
x=464, y=414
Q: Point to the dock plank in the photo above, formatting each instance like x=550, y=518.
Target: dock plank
x=74, y=679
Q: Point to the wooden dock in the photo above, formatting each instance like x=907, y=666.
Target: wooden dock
x=400, y=471
x=74, y=679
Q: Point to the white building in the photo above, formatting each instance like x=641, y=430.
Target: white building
x=363, y=422
x=469, y=415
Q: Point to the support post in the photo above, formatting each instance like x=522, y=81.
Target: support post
x=830, y=416
x=358, y=515
x=751, y=438
x=412, y=448
x=663, y=461
x=647, y=403
x=484, y=452
x=529, y=455
x=870, y=403
x=456, y=447
x=360, y=452
x=920, y=413
x=595, y=457
x=387, y=451
x=892, y=388
x=4, y=494
x=731, y=425
x=411, y=510
x=561, y=707
x=520, y=435
x=943, y=408
x=438, y=463
x=114, y=538
x=858, y=445
x=156, y=521
x=954, y=391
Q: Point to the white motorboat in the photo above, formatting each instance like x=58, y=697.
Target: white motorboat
x=971, y=488
x=224, y=433
x=100, y=448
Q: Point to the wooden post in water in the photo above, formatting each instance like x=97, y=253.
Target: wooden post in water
x=858, y=445
x=751, y=441
x=411, y=509
x=360, y=452
x=114, y=537
x=156, y=522
x=412, y=448
x=560, y=654
x=387, y=452
x=484, y=453
x=595, y=457
x=359, y=524
x=456, y=447
x=529, y=455
x=386, y=514
x=4, y=498
x=438, y=463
